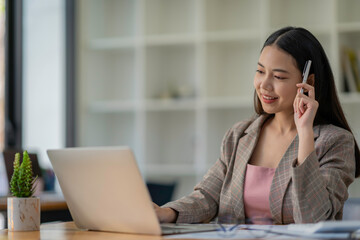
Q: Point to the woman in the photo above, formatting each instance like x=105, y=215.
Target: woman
x=293, y=161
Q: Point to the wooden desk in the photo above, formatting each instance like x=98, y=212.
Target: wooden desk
x=68, y=230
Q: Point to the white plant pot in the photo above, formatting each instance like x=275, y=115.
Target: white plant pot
x=23, y=214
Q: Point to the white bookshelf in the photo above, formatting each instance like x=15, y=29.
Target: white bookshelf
x=169, y=77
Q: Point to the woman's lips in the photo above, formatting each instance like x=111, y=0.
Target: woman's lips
x=268, y=99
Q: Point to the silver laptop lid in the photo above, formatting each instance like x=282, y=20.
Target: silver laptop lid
x=104, y=189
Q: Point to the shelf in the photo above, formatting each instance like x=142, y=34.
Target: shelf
x=170, y=71
x=149, y=105
x=350, y=39
x=350, y=98
x=170, y=137
x=112, y=43
x=110, y=18
x=300, y=13
x=231, y=15
x=179, y=15
x=112, y=106
x=112, y=75
x=348, y=11
x=170, y=77
x=232, y=35
x=170, y=39
x=349, y=27
x=171, y=105
x=228, y=102
x=105, y=130
x=231, y=68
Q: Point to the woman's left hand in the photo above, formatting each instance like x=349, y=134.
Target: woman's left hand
x=305, y=107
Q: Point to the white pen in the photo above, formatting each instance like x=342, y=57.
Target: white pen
x=306, y=73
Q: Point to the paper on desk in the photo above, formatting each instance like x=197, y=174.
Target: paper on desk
x=238, y=234
x=283, y=230
x=260, y=231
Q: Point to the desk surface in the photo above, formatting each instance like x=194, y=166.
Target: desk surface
x=48, y=202
x=68, y=230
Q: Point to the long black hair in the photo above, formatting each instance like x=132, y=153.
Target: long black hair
x=302, y=46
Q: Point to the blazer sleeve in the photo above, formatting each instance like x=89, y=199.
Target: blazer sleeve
x=320, y=183
x=202, y=204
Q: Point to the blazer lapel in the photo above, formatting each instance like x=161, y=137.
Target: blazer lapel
x=282, y=178
x=246, y=145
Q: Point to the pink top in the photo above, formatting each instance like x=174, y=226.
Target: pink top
x=257, y=191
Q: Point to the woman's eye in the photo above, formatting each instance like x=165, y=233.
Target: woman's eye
x=278, y=77
x=259, y=71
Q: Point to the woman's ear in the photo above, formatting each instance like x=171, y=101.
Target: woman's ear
x=311, y=79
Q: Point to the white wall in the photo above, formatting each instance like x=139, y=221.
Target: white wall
x=43, y=76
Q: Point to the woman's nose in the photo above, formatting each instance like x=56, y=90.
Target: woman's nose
x=266, y=83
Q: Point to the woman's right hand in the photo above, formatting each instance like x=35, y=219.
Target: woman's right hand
x=165, y=215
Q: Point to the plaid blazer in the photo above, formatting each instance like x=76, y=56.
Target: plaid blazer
x=314, y=191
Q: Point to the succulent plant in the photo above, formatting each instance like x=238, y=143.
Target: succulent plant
x=22, y=183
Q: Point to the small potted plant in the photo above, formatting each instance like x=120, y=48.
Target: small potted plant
x=23, y=208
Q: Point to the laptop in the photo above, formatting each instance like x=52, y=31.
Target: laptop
x=104, y=191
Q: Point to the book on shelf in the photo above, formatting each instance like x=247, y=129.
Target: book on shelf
x=351, y=69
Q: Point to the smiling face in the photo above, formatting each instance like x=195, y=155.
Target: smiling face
x=275, y=80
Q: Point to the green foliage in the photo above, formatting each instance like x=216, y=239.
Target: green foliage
x=2, y=7
x=22, y=182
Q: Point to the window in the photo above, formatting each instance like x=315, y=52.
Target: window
x=43, y=119
x=2, y=73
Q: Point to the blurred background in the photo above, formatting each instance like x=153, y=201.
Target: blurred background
x=165, y=77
